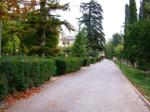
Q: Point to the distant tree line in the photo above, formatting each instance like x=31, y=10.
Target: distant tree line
x=114, y=46
x=135, y=45
x=31, y=28
x=137, y=34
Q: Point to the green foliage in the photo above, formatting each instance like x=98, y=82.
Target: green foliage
x=34, y=26
x=80, y=48
x=118, y=50
x=109, y=50
x=126, y=17
x=141, y=13
x=143, y=64
x=138, y=78
x=93, y=60
x=132, y=12
x=117, y=39
x=20, y=73
x=114, y=47
x=3, y=10
x=86, y=61
x=3, y=87
x=11, y=34
x=144, y=10
x=68, y=65
x=38, y=50
x=23, y=73
x=137, y=42
x=137, y=39
x=92, y=20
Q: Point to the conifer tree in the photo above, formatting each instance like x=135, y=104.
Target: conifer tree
x=79, y=48
x=92, y=20
x=132, y=12
x=126, y=17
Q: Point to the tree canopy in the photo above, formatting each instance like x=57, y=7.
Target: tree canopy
x=80, y=46
x=38, y=29
x=92, y=20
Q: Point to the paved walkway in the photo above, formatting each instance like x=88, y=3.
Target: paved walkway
x=98, y=88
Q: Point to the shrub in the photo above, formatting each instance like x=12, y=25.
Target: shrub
x=21, y=73
x=99, y=58
x=143, y=64
x=92, y=60
x=68, y=65
x=3, y=87
x=86, y=61
x=25, y=73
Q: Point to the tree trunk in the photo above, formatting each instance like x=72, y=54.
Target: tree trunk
x=1, y=24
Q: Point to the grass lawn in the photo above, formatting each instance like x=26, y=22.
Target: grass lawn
x=138, y=78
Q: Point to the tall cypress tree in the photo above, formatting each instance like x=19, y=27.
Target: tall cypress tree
x=132, y=12
x=141, y=13
x=126, y=17
x=146, y=9
x=131, y=18
x=92, y=20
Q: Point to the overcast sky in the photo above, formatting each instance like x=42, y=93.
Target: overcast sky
x=113, y=13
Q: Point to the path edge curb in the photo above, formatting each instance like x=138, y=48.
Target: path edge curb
x=137, y=91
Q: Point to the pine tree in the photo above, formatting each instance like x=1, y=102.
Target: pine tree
x=92, y=19
x=79, y=48
x=132, y=12
x=45, y=27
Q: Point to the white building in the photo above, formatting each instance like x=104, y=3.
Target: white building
x=66, y=41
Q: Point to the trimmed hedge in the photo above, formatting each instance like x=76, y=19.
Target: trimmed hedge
x=68, y=65
x=93, y=60
x=86, y=62
x=3, y=87
x=21, y=74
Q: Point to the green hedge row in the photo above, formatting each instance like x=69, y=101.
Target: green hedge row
x=18, y=74
x=68, y=65
x=88, y=61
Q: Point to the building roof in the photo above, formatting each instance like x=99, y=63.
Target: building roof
x=68, y=38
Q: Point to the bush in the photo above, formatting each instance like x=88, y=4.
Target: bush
x=86, y=62
x=21, y=73
x=3, y=87
x=93, y=60
x=98, y=59
x=25, y=73
x=143, y=64
x=68, y=65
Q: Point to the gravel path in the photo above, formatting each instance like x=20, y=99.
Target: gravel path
x=98, y=88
